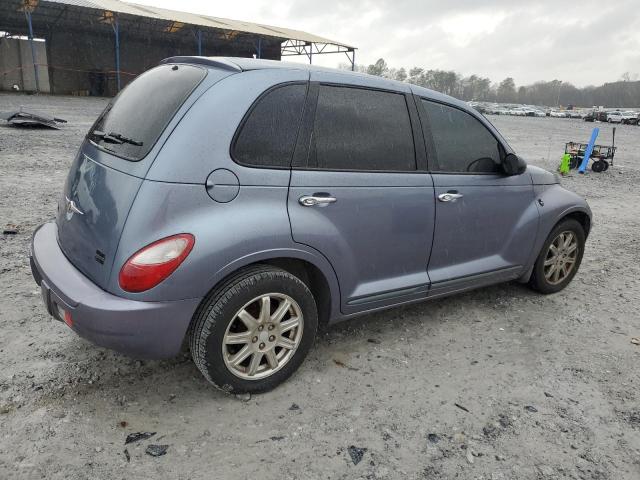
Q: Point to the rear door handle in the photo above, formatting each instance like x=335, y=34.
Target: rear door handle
x=449, y=197
x=316, y=200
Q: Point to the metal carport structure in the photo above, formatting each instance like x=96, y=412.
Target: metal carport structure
x=119, y=40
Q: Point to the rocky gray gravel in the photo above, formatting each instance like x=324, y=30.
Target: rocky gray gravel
x=498, y=383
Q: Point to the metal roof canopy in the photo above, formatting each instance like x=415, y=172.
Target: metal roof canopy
x=112, y=16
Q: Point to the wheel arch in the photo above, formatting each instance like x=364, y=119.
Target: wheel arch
x=580, y=214
x=581, y=217
x=312, y=269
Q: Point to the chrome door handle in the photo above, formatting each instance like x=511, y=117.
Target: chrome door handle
x=315, y=200
x=449, y=197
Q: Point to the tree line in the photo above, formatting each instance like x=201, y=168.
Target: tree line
x=623, y=93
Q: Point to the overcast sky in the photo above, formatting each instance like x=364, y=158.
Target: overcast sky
x=581, y=41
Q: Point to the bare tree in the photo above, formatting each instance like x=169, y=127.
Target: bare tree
x=507, y=90
x=624, y=93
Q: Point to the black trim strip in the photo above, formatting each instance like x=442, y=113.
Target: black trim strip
x=418, y=135
x=403, y=292
x=303, y=145
x=474, y=277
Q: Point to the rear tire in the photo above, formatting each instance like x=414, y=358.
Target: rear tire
x=239, y=321
x=598, y=166
x=557, y=262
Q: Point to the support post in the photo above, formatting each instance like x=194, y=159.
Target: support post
x=33, y=51
x=259, y=47
x=199, y=38
x=116, y=30
x=310, y=53
x=353, y=60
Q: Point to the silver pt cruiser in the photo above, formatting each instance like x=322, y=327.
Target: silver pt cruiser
x=240, y=204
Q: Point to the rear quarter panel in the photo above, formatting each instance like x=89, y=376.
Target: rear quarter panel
x=252, y=227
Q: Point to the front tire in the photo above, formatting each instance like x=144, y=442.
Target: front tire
x=251, y=333
x=560, y=257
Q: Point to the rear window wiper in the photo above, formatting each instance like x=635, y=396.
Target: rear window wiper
x=117, y=138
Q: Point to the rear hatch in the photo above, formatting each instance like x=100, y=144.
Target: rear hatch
x=112, y=162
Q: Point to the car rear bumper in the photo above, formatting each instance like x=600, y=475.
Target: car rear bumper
x=140, y=329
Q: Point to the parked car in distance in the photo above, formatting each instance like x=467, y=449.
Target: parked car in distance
x=531, y=111
x=614, y=117
x=254, y=201
x=558, y=114
x=630, y=118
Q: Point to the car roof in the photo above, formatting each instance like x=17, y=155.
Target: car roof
x=242, y=64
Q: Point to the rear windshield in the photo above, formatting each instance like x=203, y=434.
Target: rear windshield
x=133, y=121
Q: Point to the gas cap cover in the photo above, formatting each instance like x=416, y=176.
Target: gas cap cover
x=223, y=185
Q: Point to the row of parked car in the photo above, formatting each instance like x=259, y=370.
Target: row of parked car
x=614, y=116
x=516, y=110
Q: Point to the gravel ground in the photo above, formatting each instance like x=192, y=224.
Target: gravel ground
x=499, y=383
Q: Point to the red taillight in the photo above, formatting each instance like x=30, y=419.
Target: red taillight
x=151, y=265
x=64, y=315
x=67, y=318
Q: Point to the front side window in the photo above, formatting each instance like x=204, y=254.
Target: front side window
x=359, y=129
x=134, y=120
x=462, y=143
x=268, y=136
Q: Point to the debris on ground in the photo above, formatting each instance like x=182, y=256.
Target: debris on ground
x=469, y=455
x=490, y=431
x=243, y=397
x=340, y=363
x=504, y=421
x=462, y=408
x=635, y=340
x=136, y=437
x=374, y=340
x=10, y=229
x=294, y=406
x=356, y=454
x=548, y=395
x=433, y=438
x=127, y=455
x=460, y=438
x=31, y=118
x=530, y=408
x=156, y=450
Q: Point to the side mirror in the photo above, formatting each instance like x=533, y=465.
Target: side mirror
x=513, y=164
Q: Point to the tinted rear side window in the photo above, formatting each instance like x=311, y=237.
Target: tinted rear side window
x=268, y=136
x=143, y=109
x=462, y=142
x=358, y=129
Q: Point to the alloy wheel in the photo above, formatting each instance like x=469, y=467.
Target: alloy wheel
x=263, y=336
x=561, y=257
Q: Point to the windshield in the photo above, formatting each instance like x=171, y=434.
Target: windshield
x=134, y=120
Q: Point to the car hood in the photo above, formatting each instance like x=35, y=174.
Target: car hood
x=540, y=176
